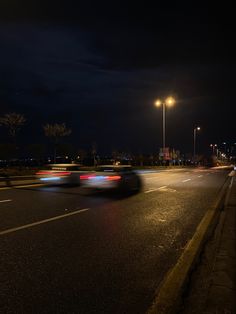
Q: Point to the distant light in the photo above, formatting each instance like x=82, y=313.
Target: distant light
x=198, y=128
x=158, y=103
x=170, y=101
x=67, y=157
x=224, y=143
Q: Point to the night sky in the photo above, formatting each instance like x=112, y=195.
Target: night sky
x=99, y=69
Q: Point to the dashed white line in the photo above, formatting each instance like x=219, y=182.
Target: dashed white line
x=42, y=221
x=186, y=180
x=162, y=187
x=149, y=191
x=5, y=201
x=199, y=176
x=156, y=189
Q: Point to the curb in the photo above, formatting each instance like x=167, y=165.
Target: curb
x=169, y=294
x=221, y=293
x=16, y=181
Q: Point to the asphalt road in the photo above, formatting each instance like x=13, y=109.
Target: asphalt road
x=64, y=252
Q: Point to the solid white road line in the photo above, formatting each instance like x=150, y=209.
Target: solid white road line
x=42, y=221
x=4, y=201
x=186, y=180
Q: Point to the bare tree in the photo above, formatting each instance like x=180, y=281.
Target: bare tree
x=56, y=131
x=13, y=122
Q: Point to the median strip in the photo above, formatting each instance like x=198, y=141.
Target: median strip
x=43, y=221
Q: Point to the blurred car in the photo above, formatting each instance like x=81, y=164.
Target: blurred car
x=60, y=174
x=118, y=178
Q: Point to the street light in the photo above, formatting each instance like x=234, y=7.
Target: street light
x=194, y=141
x=213, y=148
x=169, y=102
x=224, y=143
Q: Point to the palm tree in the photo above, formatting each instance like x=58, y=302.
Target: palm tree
x=56, y=131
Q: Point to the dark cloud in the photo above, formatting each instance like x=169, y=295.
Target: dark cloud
x=100, y=70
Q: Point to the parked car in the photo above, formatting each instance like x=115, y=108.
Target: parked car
x=109, y=177
x=60, y=174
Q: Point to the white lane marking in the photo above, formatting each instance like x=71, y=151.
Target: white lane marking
x=162, y=187
x=167, y=190
x=156, y=189
x=200, y=176
x=4, y=201
x=149, y=191
x=186, y=180
x=42, y=221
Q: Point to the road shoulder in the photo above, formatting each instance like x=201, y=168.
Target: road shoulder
x=212, y=287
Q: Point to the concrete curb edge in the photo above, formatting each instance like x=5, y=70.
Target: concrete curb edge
x=168, y=295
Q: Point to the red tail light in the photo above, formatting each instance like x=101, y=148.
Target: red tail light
x=113, y=178
x=86, y=176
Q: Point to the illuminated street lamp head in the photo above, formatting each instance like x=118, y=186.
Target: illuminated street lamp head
x=170, y=101
x=198, y=128
x=158, y=103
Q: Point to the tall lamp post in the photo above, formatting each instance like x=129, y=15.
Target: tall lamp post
x=194, y=141
x=169, y=102
x=213, y=146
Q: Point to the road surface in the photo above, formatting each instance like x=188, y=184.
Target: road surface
x=65, y=252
